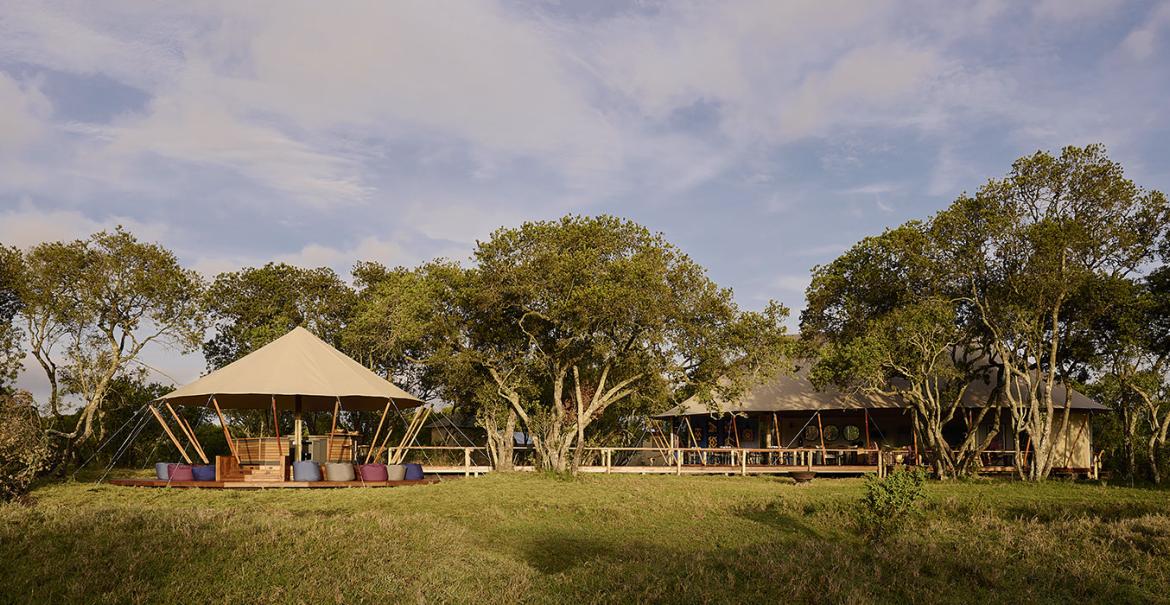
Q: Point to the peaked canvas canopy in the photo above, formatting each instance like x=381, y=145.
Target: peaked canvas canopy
x=302, y=371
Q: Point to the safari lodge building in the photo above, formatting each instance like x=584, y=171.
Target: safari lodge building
x=787, y=424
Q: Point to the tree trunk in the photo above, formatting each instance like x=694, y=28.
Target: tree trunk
x=501, y=442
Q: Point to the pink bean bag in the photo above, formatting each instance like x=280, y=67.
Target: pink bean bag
x=180, y=472
x=372, y=472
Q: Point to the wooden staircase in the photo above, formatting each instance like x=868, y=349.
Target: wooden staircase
x=228, y=470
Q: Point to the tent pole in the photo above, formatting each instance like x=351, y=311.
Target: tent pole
x=868, y=443
x=298, y=428
x=174, y=440
x=821, y=430
x=275, y=420
x=226, y=433
x=332, y=429
x=378, y=431
x=187, y=431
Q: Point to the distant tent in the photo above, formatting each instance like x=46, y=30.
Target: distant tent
x=302, y=373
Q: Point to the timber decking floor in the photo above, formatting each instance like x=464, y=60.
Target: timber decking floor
x=265, y=484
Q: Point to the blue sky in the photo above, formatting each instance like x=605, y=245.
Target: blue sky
x=761, y=137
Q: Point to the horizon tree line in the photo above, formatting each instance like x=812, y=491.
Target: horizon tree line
x=569, y=328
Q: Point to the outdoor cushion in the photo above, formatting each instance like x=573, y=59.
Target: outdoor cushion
x=306, y=470
x=395, y=472
x=203, y=472
x=160, y=470
x=373, y=472
x=414, y=472
x=179, y=472
x=338, y=472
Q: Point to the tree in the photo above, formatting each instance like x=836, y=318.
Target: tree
x=889, y=328
x=93, y=305
x=11, y=336
x=1133, y=352
x=1021, y=250
x=571, y=317
x=254, y=306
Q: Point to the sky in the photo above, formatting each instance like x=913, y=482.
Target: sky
x=762, y=138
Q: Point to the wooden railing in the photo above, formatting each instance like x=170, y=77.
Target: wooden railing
x=647, y=460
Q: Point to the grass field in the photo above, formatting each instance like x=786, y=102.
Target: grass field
x=508, y=539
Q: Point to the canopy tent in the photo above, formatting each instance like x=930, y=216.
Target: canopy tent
x=302, y=373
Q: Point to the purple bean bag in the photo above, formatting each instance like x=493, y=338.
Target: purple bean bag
x=414, y=472
x=372, y=472
x=203, y=472
x=180, y=472
x=306, y=470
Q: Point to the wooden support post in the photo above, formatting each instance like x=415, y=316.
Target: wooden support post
x=868, y=444
x=378, y=431
x=298, y=429
x=227, y=434
x=190, y=434
x=466, y=462
x=159, y=418
x=678, y=462
x=332, y=429
x=276, y=421
x=743, y=463
x=195, y=441
x=734, y=430
x=608, y=453
x=821, y=432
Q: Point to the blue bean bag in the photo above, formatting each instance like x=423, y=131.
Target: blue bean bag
x=414, y=471
x=306, y=470
x=203, y=472
x=161, y=471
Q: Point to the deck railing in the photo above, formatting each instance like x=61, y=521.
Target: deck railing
x=649, y=460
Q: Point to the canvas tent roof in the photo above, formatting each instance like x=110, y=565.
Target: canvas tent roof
x=793, y=391
x=297, y=364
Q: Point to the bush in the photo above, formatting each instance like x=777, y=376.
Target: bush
x=889, y=503
x=24, y=447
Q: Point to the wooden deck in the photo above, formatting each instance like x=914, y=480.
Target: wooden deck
x=265, y=484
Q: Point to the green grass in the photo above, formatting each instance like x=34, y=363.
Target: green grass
x=508, y=539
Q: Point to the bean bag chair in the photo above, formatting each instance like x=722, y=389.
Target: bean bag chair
x=395, y=472
x=414, y=471
x=179, y=472
x=161, y=471
x=338, y=472
x=203, y=472
x=306, y=470
x=373, y=472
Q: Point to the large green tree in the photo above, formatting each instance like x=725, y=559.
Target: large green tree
x=1023, y=269
x=92, y=306
x=1024, y=250
x=884, y=324
x=574, y=317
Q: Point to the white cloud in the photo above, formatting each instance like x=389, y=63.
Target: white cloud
x=1066, y=10
x=864, y=80
x=23, y=117
x=1143, y=40
x=792, y=283
x=27, y=226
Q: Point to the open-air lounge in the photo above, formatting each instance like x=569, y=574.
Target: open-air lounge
x=296, y=373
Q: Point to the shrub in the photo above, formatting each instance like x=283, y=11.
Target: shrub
x=889, y=503
x=24, y=447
